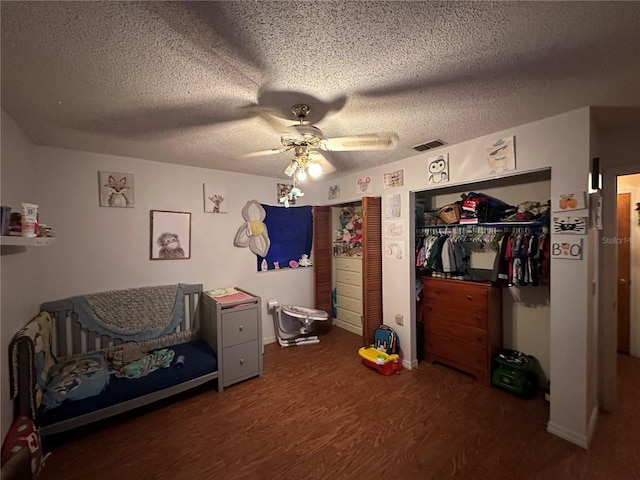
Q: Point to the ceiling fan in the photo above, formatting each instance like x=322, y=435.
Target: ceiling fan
x=307, y=141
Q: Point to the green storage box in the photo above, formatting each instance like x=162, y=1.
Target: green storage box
x=516, y=372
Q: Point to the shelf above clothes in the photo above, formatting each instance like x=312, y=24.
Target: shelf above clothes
x=498, y=226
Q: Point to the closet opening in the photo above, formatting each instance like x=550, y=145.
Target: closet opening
x=514, y=312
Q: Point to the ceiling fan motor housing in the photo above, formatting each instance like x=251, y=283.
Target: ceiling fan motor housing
x=306, y=135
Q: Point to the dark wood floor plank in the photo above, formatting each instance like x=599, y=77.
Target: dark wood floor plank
x=318, y=413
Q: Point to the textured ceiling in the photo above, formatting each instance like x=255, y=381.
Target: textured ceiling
x=182, y=82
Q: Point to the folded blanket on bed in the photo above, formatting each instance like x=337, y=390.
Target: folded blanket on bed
x=147, y=364
x=35, y=338
x=133, y=314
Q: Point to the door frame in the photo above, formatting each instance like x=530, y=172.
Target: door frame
x=607, y=297
x=623, y=191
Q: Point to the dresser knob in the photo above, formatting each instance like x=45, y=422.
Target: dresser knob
x=242, y=361
x=479, y=361
x=479, y=339
x=241, y=327
x=437, y=292
x=469, y=297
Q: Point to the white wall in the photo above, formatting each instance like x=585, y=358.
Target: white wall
x=20, y=275
x=562, y=144
x=101, y=248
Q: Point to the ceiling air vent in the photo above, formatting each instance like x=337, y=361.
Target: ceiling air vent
x=429, y=145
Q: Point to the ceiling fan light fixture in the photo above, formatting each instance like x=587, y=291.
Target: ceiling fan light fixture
x=301, y=175
x=291, y=169
x=314, y=169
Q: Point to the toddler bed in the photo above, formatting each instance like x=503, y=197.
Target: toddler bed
x=87, y=358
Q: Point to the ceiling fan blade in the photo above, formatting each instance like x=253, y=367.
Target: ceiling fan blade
x=262, y=153
x=375, y=141
x=327, y=166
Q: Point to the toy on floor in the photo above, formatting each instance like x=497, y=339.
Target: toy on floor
x=383, y=354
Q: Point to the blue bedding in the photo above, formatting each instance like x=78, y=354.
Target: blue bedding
x=199, y=360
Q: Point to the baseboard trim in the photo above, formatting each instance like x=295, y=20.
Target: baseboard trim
x=592, y=423
x=410, y=364
x=568, y=435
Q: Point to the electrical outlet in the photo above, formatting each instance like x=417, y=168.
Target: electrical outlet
x=399, y=319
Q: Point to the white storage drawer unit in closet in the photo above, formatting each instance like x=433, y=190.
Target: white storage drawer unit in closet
x=239, y=326
x=349, y=291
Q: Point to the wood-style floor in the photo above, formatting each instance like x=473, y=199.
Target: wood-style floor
x=318, y=413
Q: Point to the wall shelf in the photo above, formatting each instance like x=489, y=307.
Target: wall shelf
x=26, y=241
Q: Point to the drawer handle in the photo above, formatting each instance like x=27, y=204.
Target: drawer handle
x=478, y=318
x=469, y=297
x=241, y=327
x=242, y=361
x=437, y=292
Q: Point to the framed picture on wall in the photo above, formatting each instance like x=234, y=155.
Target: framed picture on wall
x=170, y=235
x=116, y=189
x=214, y=198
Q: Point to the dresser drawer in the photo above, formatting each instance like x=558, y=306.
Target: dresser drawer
x=351, y=278
x=463, y=295
x=352, y=304
x=239, y=326
x=240, y=361
x=349, y=317
x=472, y=316
x=346, y=290
x=463, y=333
x=469, y=356
x=349, y=264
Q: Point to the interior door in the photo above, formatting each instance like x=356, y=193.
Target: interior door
x=371, y=267
x=322, y=258
x=624, y=270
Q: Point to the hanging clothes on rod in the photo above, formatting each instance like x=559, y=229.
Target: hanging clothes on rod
x=522, y=251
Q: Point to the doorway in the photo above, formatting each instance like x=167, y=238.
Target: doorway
x=628, y=263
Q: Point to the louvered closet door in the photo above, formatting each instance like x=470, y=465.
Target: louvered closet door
x=322, y=258
x=371, y=267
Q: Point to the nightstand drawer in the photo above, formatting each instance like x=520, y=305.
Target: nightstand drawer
x=239, y=326
x=240, y=361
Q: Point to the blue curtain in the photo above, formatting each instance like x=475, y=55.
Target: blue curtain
x=290, y=232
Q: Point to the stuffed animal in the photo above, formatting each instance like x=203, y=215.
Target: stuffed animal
x=304, y=261
x=290, y=196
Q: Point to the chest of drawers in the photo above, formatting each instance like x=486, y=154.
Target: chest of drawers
x=462, y=324
x=348, y=271
x=238, y=337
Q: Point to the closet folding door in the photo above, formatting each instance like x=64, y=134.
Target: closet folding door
x=371, y=264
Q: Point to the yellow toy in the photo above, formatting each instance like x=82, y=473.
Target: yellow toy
x=380, y=361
